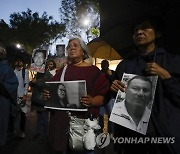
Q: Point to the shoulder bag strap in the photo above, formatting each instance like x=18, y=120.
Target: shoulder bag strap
x=63, y=73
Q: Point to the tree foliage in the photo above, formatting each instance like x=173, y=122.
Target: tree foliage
x=74, y=12
x=5, y=32
x=30, y=29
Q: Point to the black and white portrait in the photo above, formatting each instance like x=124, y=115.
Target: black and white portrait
x=38, y=61
x=66, y=95
x=132, y=108
x=60, y=50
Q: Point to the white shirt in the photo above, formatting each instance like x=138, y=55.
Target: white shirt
x=23, y=85
x=53, y=72
x=36, y=68
x=120, y=116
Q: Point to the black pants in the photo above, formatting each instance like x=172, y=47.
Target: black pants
x=22, y=121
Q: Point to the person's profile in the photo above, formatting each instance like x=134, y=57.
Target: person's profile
x=132, y=108
x=66, y=95
x=38, y=60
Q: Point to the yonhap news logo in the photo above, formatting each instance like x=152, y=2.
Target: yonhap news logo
x=102, y=140
x=144, y=140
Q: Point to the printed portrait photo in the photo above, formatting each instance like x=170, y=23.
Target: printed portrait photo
x=60, y=50
x=132, y=108
x=38, y=60
x=66, y=95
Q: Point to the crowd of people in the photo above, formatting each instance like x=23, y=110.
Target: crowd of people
x=102, y=87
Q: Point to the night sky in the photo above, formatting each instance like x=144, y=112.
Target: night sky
x=8, y=7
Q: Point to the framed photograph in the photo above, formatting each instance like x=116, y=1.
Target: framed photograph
x=132, y=108
x=66, y=95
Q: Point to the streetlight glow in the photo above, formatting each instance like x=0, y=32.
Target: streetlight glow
x=86, y=22
x=87, y=25
x=18, y=46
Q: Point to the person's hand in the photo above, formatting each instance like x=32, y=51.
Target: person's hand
x=118, y=85
x=154, y=69
x=46, y=95
x=33, y=80
x=86, y=100
x=109, y=72
x=24, y=98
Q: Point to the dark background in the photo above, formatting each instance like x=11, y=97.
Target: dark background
x=117, y=17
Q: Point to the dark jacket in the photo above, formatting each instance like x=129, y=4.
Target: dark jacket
x=164, y=120
x=37, y=101
x=8, y=97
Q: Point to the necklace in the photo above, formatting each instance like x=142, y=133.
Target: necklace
x=79, y=63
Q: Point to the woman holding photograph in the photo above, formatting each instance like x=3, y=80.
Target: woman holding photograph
x=97, y=87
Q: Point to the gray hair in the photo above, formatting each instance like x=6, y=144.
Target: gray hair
x=2, y=53
x=82, y=44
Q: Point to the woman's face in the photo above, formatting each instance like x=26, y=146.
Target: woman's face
x=144, y=37
x=75, y=50
x=61, y=91
x=39, y=59
x=50, y=65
